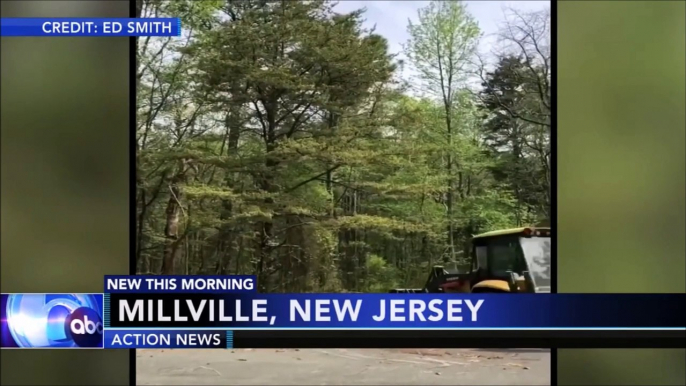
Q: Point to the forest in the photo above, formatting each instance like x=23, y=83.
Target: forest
x=284, y=140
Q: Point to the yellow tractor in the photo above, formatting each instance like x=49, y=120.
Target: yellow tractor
x=504, y=261
x=512, y=260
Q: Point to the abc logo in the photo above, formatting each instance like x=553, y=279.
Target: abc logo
x=84, y=327
x=44, y=320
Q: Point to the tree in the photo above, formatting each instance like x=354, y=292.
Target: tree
x=441, y=47
x=516, y=99
x=297, y=69
x=168, y=112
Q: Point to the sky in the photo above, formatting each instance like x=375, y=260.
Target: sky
x=390, y=17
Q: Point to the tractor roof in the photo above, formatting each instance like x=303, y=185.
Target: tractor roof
x=512, y=231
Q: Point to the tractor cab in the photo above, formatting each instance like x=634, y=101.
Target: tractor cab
x=513, y=260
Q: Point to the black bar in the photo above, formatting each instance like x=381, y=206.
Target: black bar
x=553, y=174
x=277, y=339
x=133, y=121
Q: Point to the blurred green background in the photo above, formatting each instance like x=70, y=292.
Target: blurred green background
x=620, y=163
x=621, y=160
x=64, y=178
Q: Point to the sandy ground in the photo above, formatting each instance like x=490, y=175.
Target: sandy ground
x=344, y=367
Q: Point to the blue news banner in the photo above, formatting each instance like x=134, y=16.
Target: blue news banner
x=90, y=27
x=227, y=311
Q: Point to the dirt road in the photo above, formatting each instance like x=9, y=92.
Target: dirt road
x=344, y=367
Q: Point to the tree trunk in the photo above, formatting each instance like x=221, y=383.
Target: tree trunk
x=226, y=236
x=449, y=194
x=171, y=232
x=266, y=243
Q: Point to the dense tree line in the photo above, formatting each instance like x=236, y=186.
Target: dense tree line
x=277, y=138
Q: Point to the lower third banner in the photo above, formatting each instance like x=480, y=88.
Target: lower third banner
x=401, y=320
